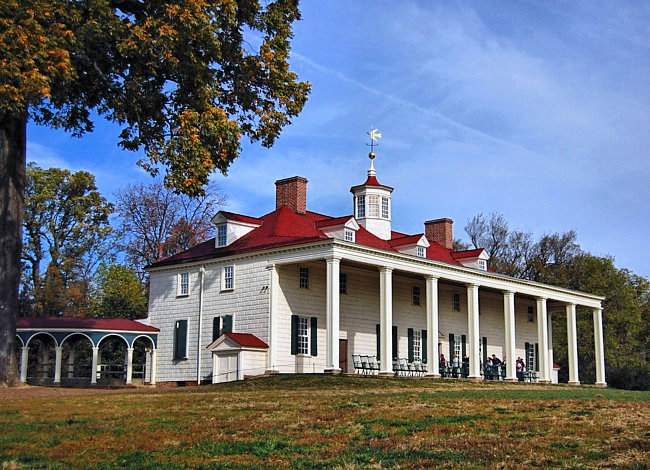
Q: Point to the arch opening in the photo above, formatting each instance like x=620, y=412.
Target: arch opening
x=111, y=363
x=41, y=358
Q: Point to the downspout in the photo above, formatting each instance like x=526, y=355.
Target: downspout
x=198, y=346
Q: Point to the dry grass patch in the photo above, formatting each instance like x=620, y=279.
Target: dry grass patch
x=331, y=422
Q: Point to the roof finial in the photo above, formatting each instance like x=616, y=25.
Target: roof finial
x=374, y=135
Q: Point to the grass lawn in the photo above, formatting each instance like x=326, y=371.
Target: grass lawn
x=324, y=422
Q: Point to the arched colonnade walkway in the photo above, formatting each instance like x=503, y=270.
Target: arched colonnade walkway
x=78, y=351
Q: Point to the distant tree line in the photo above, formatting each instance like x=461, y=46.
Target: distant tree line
x=557, y=259
x=85, y=256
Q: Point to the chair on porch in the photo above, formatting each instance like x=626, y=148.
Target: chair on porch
x=356, y=362
x=365, y=364
x=373, y=363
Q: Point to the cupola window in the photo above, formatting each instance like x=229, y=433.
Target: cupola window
x=384, y=208
x=373, y=206
x=361, y=207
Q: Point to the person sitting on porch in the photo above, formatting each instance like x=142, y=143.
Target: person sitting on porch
x=520, y=369
x=455, y=364
x=443, y=365
x=465, y=371
x=495, y=360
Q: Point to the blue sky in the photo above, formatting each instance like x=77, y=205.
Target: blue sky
x=536, y=110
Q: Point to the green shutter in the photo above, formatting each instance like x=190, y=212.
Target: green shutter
x=314, y=337
x=410, y=335
x=378, y=331
x=294, y=334
x=485, y=354
x=527, y=355
x=424, y=346
x=463, y=347
x=227, y=324
x=395, y=344
x=451, y=347
x=216, y=328
x=180, y=343
x=537, y=357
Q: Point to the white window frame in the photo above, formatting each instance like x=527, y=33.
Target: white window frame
x=303, y=336
x=181, y=284
x=420, y=252
x=530, y=365
x=348, y=235
x=303, y=277
x=482, y=265
x=455, y=301
x=531, y=314
x=417, y=345
x=343, y=283
x=416, y=295
x=222, y=238
x=225, y=285
x=373, y=206
x=361, y=207
x=385, y=208
x=458, y=348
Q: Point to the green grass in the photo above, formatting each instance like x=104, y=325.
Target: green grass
x=318, y=421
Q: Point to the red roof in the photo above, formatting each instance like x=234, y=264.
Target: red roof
x=467, y=253
x=247, y=340
x=332, y=222
x=83, y=323
x=284, y=227
x=405, y=240
x=241, y=218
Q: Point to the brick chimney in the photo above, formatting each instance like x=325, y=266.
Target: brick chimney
x=440, y=231
x=292, y=192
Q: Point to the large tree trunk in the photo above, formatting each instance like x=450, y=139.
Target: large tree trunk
x=12, y=199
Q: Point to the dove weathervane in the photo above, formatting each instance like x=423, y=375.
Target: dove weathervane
x=374, y=135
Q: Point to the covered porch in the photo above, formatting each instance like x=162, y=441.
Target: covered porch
x=503, y=326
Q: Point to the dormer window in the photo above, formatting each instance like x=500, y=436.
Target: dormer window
x=420, y=252
x=361, y=207
x=221, y=235
x=349, y=235
x=384, y=208
x=482, y=265
x=373, y=206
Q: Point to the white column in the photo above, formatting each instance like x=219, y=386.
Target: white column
x=542, y=340
x=129, y=365
x=473, y=331
x=24, y=363
x=509, y=319
x=600, y=348
x=274, y=292
x=93, y=371
x=549, y=356
x=333, y=318
x=57, y=364
x=433, y=365
x=154, y=357
x=572, y=344
x=386, y=319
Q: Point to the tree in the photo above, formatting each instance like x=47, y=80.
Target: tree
x=65, y=224
x=155, y=222
x=119, y=293
x=180, y=77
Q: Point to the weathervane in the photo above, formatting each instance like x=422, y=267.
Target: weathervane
x=374, y=135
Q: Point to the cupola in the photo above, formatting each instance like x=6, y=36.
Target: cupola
x=372, y=205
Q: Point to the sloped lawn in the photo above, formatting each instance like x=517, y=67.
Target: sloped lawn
x=325, y=422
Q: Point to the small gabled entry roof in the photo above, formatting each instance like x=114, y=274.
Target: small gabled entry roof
x=237, y=341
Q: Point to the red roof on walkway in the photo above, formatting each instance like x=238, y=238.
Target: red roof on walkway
x=84, y=323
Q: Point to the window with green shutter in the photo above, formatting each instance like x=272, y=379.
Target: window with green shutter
x=411, y=354
x=314, y=336
x=378, y=336
x=180, y=339
x=395, y=343
x=424, y=346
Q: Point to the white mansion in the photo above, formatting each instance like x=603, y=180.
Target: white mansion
x=295, y=291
